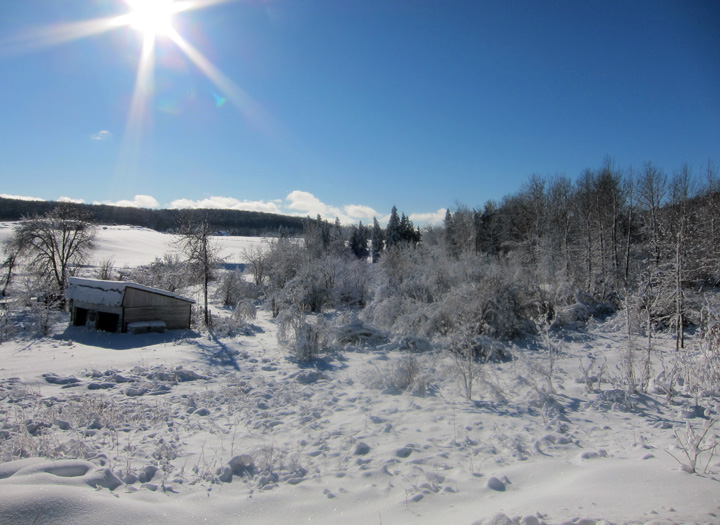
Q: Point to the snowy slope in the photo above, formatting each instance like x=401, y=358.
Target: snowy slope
x=130, y=246
x=187, y=427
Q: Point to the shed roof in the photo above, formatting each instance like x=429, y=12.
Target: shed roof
x=108, y=293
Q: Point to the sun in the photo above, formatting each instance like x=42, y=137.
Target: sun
x=152, y=17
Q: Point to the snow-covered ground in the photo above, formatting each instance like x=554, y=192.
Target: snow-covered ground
x=187, y=427
x=130, y=246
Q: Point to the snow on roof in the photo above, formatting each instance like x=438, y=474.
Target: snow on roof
x=108, y=293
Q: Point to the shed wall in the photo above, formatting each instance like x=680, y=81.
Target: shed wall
x=139, y=298
x=174, y=316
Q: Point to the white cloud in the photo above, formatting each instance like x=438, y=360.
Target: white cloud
x=20, y=197
x=358, y=211
x=297, y=203
x=228, y=203
x=305, y=203
x=68, y=199
x=101, y=135
x=308, y=204
x=422, y=219
x=140, y=201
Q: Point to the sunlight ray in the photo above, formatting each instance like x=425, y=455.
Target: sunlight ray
x=48, y=36
x=250, y=109
x=200, y=4
x=138, y=116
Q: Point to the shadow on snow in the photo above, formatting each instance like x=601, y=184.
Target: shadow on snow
x=119, y=341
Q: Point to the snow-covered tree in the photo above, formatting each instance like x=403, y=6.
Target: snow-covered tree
x=378, y=240
x=195, y=243
x=53, y=245
x=359, y=241
x=393, y=234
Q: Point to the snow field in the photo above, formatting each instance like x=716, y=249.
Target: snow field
x=198, y=428
x=271, y=439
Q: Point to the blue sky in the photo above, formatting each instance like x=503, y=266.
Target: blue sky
x=348, y=107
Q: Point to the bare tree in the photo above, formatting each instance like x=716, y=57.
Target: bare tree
x=12, y=251
x=55, y=243
x=257, y=259
x=200, y=252
x=652, y=194
x=562, y=217
x=682, y=192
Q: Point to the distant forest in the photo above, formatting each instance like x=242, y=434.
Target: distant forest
x=234, y=222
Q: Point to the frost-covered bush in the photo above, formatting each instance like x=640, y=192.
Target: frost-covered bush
x=310, y=341
x=404, y=374
x=233, y=288
x=352, y=283
x=245, y=311
x=306, y=338
x=307, y=291
x=698, y=443
x=31, y=319
x=230, y=326
x=7, y=328
x=351, y=330
x=238, y=323
x=168, y=273
x=328, y=281
x=695, y=371
x=284, y=259
x=426, y=292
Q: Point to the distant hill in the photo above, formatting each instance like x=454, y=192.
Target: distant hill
x=234, y=222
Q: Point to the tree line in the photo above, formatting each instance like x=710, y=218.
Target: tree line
x=233, y=222
x=556, y=251
x=618, y=235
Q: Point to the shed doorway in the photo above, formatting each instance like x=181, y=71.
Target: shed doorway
x=80, y=316
x=107, y=322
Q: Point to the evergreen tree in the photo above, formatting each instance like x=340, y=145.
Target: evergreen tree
x=450, y=244
x=317, y=236
x=377, y=240
x=393, y=232
x=359, y=241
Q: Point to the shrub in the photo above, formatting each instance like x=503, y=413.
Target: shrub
x=306, y=338
x=402, y=375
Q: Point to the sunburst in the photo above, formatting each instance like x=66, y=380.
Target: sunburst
x=153, y=19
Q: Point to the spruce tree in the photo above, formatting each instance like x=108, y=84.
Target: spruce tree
x=377, y=240
x=359, y=241
x=393, y=232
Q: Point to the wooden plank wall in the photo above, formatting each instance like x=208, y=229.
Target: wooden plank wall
x=135, y=298
x=175, y=316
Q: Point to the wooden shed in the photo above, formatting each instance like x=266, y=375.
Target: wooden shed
x=115, y=306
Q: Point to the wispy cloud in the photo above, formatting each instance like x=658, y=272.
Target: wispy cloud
x=140, y=201
x=101, y=135
x=228, y=203
x=20, y=197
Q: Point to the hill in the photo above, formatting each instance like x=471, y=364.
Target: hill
x=234, y=222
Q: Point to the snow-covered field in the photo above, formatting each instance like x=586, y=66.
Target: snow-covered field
x=187, y=427
x=129, y=246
